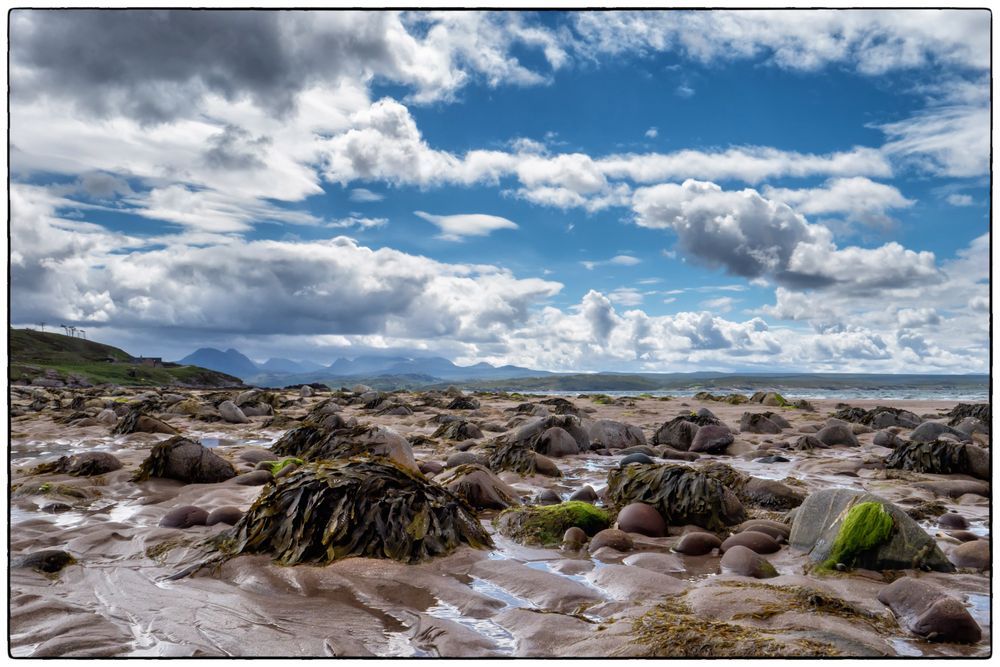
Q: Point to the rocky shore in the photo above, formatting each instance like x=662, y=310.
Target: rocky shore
x=317, y=522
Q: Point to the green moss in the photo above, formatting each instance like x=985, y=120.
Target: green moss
x=278, y=466
x=782, y=401
x=545, y=524
x=602, y=399
x=866, y=526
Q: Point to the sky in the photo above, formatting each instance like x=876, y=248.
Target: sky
x=571, y=191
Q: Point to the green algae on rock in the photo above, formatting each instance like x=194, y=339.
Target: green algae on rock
x=866, y=526
x=681, y=494
x=323, y=512
x=545, y=524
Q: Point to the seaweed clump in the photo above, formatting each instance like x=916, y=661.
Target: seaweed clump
x=865, y=526
x=517, y=457
x=311, y=442
x=939, y=456
x=681, y=494
x=671, y=630
x=544, y=525
x=323, y=512
x=980, y=411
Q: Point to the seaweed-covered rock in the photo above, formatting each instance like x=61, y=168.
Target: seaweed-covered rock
x=878, y=417
x=312, y=443
x=754, y=491
x=464, y=403
x=819, y=520
x=326, y=511
x=611, y=434
x=546, y=525
x=887, y=438
x=186, y=461
x=479, y=487
x=458, y=430
x=755, y=422
x=48, y=561
x=980, y=411
x=680, y=494
x=561, y=406
x=531, y=432
x=679, y=432
x=520, y=459
x=807, y=443
x=941, y=457
x=930, y=431
x=928, y=612
x=85, y=464
x=771, y=398
x=971, y=425
x=135, y=421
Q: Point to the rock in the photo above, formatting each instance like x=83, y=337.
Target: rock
x=611, y=434
x=546, y=525
x=643, y=519
x=255, y=456
x=697, y=544
x=930, y=431
x=228, y=515
x=574, y=538
x=556, y=442
x=860, y=429
x=255, y=410
x=679, y=432
x=769, y=494
x=753, y=422
x=953, y=520
x=677, y=455
x=430, y=467
x=837, y=434
x=312, y=443
x=929, y=612
x=960, y=535
x=756, y=541
x=135, y=421
x=745, y=562
x=463, y=458
x=807, y=443
x=778, y=531
x=546, y=466
x=974, y=555
x=49, y=561
x=55, y=508
x=254, y=478
x=360, y=389
x=888, y=439
x=774, y=458
x=637, y=457
x=712, y=439
x=458, y=430
x=464, y=403
x=184, y=517
x=941, y=457
x=656, y=562
x=548, y=497
x=586, y=494
x=84, y=464
x=479, y=487
x=186, y=461
x=818, y=521
x=621, y=582
x=107, y=417
x=231, y=413
x=971, y=425
x=611, y=538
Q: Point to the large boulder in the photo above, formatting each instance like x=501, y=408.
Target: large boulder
x=556, y=442
x=751, y=539
x=546, y=525
x=746, y=562
x=754, y=491
x=479, y=487
x=837, y=434
x=312, y=443
x=879, y=417
x=610, y=434
x=186, y=461
x=679, y=432
x=712, y=439
x=135, y=421
x=681, y=495
x=972, y=554
x=941, y=457
x=458, y=430
x=817, y=527
x=928, y=612
x=931, y=431
x=519, y=458
x=231, y=413
x=530, y=433
x=84, y=464
x=323, y=512
x=643, y=519
x=755, y=422
x=697, y=544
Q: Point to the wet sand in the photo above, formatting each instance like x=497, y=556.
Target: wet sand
x=511, y=601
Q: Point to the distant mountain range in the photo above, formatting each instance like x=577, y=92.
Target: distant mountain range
x=286, y=371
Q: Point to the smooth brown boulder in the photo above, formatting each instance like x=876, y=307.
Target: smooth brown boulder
x=643, y=519
x=228, y=515
x=697, y=544
x=255, y=478
x=974, y=555
x=557, y=442
x=963, y=535
x=712, y=439
x=929, y=612
x=747, y=563
x=184, y=517
x=775, y=529
x=610, y=537
x=585, y=493
x=574, y=538
x=758, y=542
x=953, y=520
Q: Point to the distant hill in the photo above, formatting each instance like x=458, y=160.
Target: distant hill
x=231, y=362
x=37, y=354
x=279, y=365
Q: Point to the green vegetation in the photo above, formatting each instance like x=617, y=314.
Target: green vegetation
x=33, y=353
x=278, y=466
x=866, y=526
x=545, y=524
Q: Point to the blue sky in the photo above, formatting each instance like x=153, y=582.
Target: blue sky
x=659, y=191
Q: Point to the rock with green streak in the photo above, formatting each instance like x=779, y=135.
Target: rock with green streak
x=819, y=521
x=865, y=526
x=373, y=508
x=545, y=525
x=277, y=466
x=681, y=494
